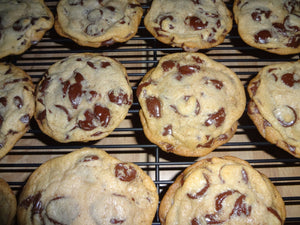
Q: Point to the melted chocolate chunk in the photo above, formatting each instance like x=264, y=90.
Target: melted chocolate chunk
x=108, y=42
x=294, y=41
x=216, y=118
x=167, y=130
x=141, y=86
x=92, y=65
x=262, y=37
x=21, y=24
x=1, y=120
x=18, y=102
x=240, y=207
x=188, y=69
x=289, y=80
x=289, y=110
x=161, y=19
x=44, y=84
x=3, y=101
x=200, y=193
x=125, y=172
x=254, y=87
x=195, y=23
x=42, y=115
x=258, y=13
x=75, y=2
x=245, y=176
x=274, y=212
x=195, y=221
x=89, y=158
x=102, y=114
x=218, y=84
x=35, y=201
x=168, y=65
x=120, y=98
x=75, y=90
x=105, y=64
x=87, y=124
x=116, y=221
x=154, y=106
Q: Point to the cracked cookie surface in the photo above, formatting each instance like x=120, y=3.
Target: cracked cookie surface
x=88, y=186
x=96, y=23
x=190, y=104
x=22, y=23
x=83, y=97
x=274, y=106
x=223, y=191
x=16, y=105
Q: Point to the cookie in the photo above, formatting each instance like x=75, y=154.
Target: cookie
x=88, y=186
x=83, y=97
x=16, y=105
x=270, y=25
x=189, y=24
x=22, y=24
x=96, y=23
x=275, y=105
x=190, y=104
x=8, y=204
x=223, y=190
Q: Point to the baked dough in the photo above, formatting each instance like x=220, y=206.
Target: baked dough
x=83, y=97
x=225, y=191
x=274, y=106
x=96, y=23
x=22, y=23
x=190, y=104
x=270, y=25
x=88, y=186
x=16, y=105
x=189, y=24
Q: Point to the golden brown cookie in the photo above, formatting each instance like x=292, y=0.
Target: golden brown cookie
x=275, y=105
x=16, y=105
x=270, y=25
x=189, y=24
x=22, y=23
x=8, y=204
x=190, y=104
x=222, y=191
x=96, y=23
x=88, y=186
x=83, y=97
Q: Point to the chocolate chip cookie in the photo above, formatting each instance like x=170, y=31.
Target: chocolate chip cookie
x=270, y=25
x=275, y=105
x=16, y=105
x=88, y=186
x=189, y=24
x=83, y=97
x=190, y=104
x=96, y=23
x=8, y=204
x=222, y=191
x=22, y=23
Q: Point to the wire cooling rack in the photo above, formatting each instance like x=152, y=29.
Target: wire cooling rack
x=128, y=141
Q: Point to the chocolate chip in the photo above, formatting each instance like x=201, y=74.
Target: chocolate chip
x=42, y=115
x=263, y=36
x=289, y=79
x=216, y=118
x=202, y=191
x=188, y=69
x=116, y=221
x=89, y=158
x=75, y=90
x=286, y=115
x=258, y=13
x=102, y=114
x=87, y=124
x=167, y=130
x=3, y=101
x=125, y=172
x=168, y=65
x=75, y=2
x=218, y=84
x=154, y=106
x=18, y=102
x=25, y=119
x=105, y=64
x=141, y=86
x=119, y=98
x=240, y=207
x=195, y=23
